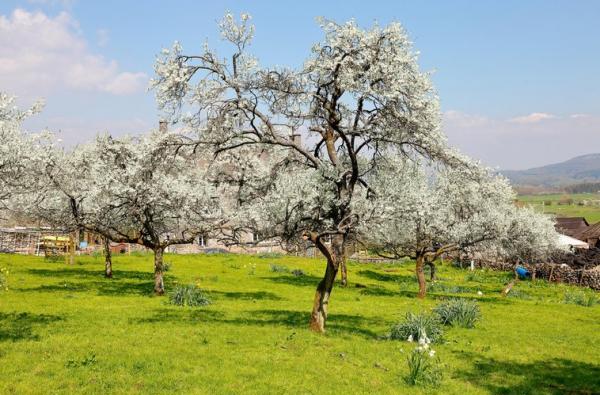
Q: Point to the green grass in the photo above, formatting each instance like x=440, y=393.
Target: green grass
x=66, y=329
x=590, y=213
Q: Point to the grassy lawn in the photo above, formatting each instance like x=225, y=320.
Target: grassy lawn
x=590, y=213
x=66, y=329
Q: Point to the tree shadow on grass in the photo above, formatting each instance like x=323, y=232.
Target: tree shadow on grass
x=68, y=272
x=300, y=281
x=180, y=314
x=258, y=295
x=446, y=296
x=378, y=291
x=348, y=324
x=553, y=376
x=387, y=277
x=105, y=287
x=21, y=326
x=345, y=324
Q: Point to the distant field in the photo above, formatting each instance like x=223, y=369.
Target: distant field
x=591, y=213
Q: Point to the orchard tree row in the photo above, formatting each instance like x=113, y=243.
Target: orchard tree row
x=347, y=147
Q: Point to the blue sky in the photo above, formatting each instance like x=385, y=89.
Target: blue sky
x=518, y=80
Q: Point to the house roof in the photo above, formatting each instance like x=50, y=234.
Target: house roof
x=565, y=242
x=591, y=232
x=571, y=226
x=571, y=222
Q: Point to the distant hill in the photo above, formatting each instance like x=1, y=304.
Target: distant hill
x=584, y=168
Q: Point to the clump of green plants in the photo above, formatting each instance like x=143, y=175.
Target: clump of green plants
x=166, y=266
x=424, y=368
x=518, y=294
x=252, y=269
x=270, y=255
x=188, y=295
x=581, y=298
x=414, y=326
x=445, y=288
x=3, y=279
x=474, y=276
x=86, y=361
x=458, y=312
x=298, y=273
x=278, y=268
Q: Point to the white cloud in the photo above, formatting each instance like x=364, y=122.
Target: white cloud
x=521, y=145
x=41, y=54
x=576, y=116
x=534, y=117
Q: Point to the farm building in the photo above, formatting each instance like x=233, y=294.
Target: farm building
x=591, y=235
x=568, y=243
x=571, y=226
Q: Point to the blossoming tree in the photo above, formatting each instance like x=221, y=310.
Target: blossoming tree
x=424, y=213
x=18, y=150
x=133, y=190
x=359, y=97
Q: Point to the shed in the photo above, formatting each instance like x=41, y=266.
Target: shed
x=571, y=226
x=568, y=243
x=591, y=235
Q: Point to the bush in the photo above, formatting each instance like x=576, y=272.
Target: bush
x=166, y=266
x=423, y=367
x=188, y=295
x=3, y=279
x=298, y=273
x=416, y=326
x=547, y=202
x=278, y=268
x=458, y=312
x=581, y=298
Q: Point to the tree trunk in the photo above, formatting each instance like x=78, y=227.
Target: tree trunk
x=108, y=273
x=159, y=286
x=433, y=273
x=344, y=271
x=421, y=276
x=323, y=293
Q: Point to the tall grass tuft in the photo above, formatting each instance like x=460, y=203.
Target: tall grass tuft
x=458, y=312
x=445, y=288
x=415, y=326
x=278, y=268
x=188, y=295
x=581, y=298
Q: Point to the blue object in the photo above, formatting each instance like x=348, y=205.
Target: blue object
x=522, y=272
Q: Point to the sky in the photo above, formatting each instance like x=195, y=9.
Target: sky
x=518, y=81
